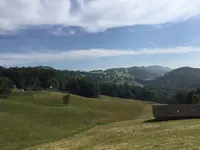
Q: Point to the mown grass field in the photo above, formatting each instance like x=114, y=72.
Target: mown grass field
x=28, y=118
x=134, y=135
x=40, y=121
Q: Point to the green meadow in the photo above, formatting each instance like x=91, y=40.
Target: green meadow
x=33, y=118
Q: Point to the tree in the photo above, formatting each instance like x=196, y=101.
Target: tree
x=196, y=99
x=189, y=98
x=5, y=86
x=73, y=86
x=131, y=95
x=82, y=87
x=198, y=91
x=181, y=97
x=54, y=83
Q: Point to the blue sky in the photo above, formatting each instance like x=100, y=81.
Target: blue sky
x=99, y=34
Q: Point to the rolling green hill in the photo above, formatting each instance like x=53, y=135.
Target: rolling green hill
x=118, y=82
x=159, y=70
x=39, y=120
x=181, y=79
x=131, y=75
x=185, y=77
x=138, y=133
x=45, y=76
x=33, y=118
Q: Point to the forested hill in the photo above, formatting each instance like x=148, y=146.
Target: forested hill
x=155, y=83
x=158, y=70
x=132, y=75
x=184, y=77
x=118, y=82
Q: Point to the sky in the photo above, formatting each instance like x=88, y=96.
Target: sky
x=99, y=34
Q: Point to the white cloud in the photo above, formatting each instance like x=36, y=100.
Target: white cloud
x=46, y=56
x=153, y=44
x=61, y=32
x=132, y=30
x=94, y=15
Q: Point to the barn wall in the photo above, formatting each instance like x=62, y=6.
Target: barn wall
x=176, y=111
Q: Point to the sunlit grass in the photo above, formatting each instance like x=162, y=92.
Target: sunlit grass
x=33, y=118
x=134, y=134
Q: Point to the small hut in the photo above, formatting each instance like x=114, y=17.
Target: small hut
x=177, y=111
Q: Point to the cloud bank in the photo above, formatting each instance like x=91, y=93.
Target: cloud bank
x=47, y=56
x=94, y=15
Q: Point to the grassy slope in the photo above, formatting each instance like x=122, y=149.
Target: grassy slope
x=129, y=135
x=28, y=119
x=134, y=134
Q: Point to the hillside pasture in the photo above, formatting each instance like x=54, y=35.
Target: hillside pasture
x=34, y=118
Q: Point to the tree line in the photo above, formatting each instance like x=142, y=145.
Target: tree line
x=187, y=97
x=5, y=87
x=30, y=78
x=83, y=84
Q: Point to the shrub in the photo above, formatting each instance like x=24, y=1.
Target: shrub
x=66, y=99
x=5, y=87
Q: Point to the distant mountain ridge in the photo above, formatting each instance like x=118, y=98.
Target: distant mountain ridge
x=181, y=79
x=185, y=77
x=131, y=75
x=161, y=80
x=158, y=69
x=164, y=81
